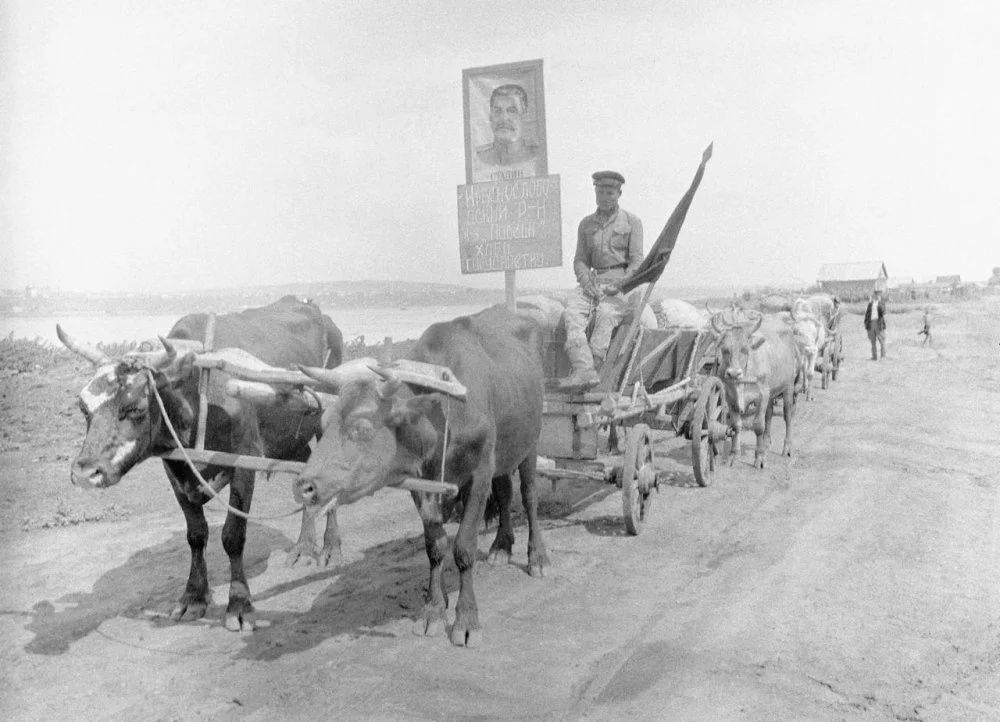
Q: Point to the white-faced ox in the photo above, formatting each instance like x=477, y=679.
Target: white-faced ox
x=381, y=431
x=809, y=332
x=125, y=425
x=758, y=364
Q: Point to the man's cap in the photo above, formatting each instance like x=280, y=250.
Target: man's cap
x=608, y=178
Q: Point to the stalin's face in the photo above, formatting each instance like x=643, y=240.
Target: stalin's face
x=505, y=117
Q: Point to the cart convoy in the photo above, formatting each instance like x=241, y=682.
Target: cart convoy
x=451, y=423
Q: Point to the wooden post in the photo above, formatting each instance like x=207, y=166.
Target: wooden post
x=386, y=350
x=199, y=442
x=511, y=290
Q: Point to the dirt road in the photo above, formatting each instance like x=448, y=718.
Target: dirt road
x=858, y=580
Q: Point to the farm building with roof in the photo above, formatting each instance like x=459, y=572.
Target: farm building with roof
x=853, y=281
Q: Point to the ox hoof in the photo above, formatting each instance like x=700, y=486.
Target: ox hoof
x=462, y=636
x=498, y=557
x=432, y=622
x=787, y=451
x=758, y=463
x=240, y=617
x=188, y=611
x=300, y=555
x=537, y=561
x=333, y=557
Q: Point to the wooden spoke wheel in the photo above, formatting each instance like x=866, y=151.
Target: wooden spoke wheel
x=638, y=478
x=708, y=430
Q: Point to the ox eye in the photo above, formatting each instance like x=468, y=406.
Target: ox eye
x=132, y=412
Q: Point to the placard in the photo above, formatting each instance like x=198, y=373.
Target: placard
x=510, y=225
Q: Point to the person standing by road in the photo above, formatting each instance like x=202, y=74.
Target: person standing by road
x=875, y=324
x=608, y=250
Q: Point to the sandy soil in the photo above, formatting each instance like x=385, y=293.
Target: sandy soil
x=858, y=580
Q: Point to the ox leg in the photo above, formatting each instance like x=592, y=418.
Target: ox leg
x=194, y=601
x=503, y=545
x=436, y=543
x=762, y=428
x=736, y=422
x=240, y=611
x=466, y=632
x=537, y=557
x=307, y=548
x=788, y=410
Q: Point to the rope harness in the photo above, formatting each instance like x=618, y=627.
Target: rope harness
x=205, y=486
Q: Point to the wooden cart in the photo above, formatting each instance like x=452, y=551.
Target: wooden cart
x=666, y=382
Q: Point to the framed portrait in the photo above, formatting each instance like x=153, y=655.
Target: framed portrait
x=504, y=122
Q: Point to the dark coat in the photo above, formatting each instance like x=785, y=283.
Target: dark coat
x=881, y=316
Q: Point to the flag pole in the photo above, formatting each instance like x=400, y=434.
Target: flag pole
x=667, y=238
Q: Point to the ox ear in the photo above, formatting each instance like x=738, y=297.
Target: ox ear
x=756, y=342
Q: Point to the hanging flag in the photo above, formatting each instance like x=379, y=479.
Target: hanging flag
x=656, y=260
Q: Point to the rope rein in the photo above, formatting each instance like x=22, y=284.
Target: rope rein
x=205, y=486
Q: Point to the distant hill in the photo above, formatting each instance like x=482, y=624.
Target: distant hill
x=328, y=295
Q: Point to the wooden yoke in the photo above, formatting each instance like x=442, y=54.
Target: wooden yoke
x=203, y=379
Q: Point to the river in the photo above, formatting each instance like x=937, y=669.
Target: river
x=372, y=323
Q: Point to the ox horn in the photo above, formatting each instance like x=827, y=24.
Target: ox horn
x=361, y=369
x=760, y=320
x=90, y=353
x=716, y=320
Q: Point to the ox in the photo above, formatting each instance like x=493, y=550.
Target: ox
x=382, y=431
x=756, y=369
x=810, y=332
x=125, y=425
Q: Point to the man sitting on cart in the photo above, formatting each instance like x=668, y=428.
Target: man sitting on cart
x=608, y=249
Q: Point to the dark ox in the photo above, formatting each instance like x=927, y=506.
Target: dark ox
x=381, y=431
x=125, y=425
x=757, y=369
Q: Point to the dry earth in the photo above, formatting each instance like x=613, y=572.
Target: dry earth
x=858, y=580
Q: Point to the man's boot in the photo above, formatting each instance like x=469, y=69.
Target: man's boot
x=583, y=376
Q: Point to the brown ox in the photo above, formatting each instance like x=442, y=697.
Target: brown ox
x=756, y=370
x=382, y=431
x=125, y=425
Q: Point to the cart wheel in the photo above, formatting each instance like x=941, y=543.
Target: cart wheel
x=638, y=478
x=710, y=417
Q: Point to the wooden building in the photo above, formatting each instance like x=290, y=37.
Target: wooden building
x=853, y=281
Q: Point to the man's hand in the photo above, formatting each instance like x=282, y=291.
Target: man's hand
x=611, y=289
x=590, y=289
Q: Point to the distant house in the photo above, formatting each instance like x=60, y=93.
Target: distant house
x=948, y=280
x=853, y=281
x=897, y=282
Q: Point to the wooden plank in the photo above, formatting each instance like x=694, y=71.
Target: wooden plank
x=238, y=461
x=259, y=463
x=267, y=376
x=203, y=379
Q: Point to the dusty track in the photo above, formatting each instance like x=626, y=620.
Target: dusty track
x=859, y=579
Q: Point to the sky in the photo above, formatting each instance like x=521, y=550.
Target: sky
x=180, y=144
